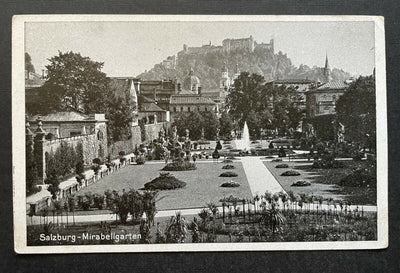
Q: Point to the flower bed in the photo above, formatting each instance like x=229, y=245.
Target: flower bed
x=301, y=183
x=290, y=173
x=227, y=161
x=228, y=174
x=228, y=167
x=165, y=181
x=230, y=184
x=282, y=166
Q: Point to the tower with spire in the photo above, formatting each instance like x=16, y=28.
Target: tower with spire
x=224, y=82
x=327, y=70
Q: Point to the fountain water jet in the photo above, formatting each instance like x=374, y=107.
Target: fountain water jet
x=244, y=142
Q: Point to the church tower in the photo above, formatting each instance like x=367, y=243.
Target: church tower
x=224, y=82
x=327, y=70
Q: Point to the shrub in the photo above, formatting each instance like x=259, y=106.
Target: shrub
x=140, y=160
x=180, y=164
x=282, y=166
x=276, y=160
x=301, y=183
x=165, y=181
x=231, y=157
x=228, y=174
x=227, y=161
x=230, y=184
x=362, y=177
x=96, y=168
x=97, y=161
x=228, y=167
x=290, y=173
x=98, y=201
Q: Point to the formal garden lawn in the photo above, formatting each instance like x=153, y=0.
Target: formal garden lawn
x=203, y=184
x=324, y=182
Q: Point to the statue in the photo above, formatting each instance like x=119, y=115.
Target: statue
x=174, y=134
x=202, y=133
x=187, y=133
x=218, y=133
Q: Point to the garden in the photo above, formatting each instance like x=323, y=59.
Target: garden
x=342, y=183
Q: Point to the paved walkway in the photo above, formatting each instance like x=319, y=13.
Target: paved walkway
x=259, y=177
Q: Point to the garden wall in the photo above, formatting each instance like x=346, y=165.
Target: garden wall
x=91, y=147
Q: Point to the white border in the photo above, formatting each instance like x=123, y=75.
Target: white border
x=18, y=144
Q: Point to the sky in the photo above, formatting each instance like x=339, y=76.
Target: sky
x=130, y=48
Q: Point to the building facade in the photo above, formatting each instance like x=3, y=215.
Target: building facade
x=191, y=98
x=322, y=100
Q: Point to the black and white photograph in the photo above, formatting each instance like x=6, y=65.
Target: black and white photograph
x=198, y=133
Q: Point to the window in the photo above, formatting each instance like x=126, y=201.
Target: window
x=188, y=109
x=205, y=109
x=174, y=109
x=181, y=108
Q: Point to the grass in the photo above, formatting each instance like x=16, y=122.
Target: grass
x=324, y=182
x=203, y=184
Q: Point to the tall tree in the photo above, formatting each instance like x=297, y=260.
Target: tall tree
x=85, y=86
x=356, y=111
x=226, y=124
x=28, y=63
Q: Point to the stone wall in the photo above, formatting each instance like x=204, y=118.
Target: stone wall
x=153, y=130
x=123, y=145
x=91, y=147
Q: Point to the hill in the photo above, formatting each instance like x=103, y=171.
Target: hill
x=208, y=66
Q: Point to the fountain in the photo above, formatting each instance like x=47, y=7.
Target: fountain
x=244, y=142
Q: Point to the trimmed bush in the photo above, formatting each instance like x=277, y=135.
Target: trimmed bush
x=227, y=161
x=179, y=164
x=290, y=173
x=276, y=160
x=301, y=183
x=228, y=167
x=228, y=174
x=230, y=184
x=282, y=166
x=165, y=181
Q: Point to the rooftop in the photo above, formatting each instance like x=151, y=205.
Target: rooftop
x=191, y=99
x=68, y=116
x=333, y=85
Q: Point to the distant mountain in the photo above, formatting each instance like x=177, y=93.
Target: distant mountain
x=208, y=65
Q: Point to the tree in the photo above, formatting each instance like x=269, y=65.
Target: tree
x=119, y=115
x=189, y=120
x=247, y=94
x=356, y=111
x=226, y=124
x=84, y=86
x=54, y=183
x=28, y=63
x=210, y=123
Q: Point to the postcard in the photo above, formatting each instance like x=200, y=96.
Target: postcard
x=161, y=133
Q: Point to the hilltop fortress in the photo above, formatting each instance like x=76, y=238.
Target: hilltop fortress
x=228, y=45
